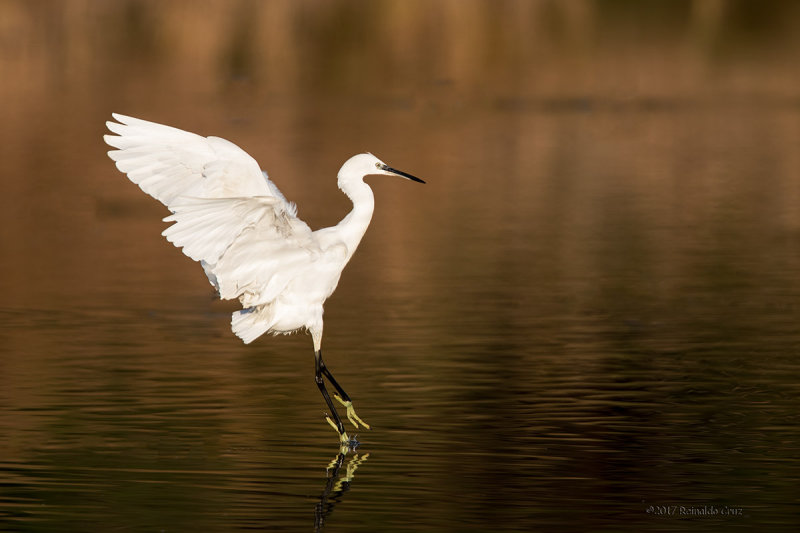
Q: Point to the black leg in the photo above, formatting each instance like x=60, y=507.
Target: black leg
x=327, y=374
x=342, y=397
x=319, y=369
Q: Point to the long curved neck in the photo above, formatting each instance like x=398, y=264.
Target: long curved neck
x=354, y=225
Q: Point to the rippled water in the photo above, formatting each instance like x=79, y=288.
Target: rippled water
x=587, y=320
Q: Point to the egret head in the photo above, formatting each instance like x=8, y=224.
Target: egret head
x=367, y=164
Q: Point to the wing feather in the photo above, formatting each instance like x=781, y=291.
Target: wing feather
x=168, y=163
x=226, y=212
x=250, y=247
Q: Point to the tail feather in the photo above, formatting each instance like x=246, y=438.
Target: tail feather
x=249, y=324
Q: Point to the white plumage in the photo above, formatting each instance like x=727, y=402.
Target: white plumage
x=230, y=217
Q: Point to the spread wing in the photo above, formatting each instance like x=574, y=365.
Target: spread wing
x=251, y=248
x=227, y=214
x=168, y=164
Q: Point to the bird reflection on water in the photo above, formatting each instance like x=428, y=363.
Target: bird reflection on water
x=338, y=483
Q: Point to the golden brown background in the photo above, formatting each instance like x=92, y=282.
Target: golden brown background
x=587, y=315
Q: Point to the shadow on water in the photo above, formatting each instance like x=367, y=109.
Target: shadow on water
x=337, y=485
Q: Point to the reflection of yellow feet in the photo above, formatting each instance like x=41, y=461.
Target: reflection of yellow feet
x=350, y=471
x=353, y=465
x=351, y=412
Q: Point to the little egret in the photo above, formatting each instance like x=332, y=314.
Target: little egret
x=231, y=218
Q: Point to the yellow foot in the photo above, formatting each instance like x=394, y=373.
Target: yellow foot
x=344, y=440
x=351, y=413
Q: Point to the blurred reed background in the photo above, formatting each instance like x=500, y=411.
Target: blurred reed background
x=480, y=82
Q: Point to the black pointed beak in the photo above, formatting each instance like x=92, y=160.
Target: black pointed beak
x=401, y=173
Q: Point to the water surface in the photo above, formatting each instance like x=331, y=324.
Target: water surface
x=586, y=320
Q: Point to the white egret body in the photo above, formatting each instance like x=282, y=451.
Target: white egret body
x=231, y=218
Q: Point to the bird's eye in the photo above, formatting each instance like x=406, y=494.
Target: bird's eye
x=377, y=165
